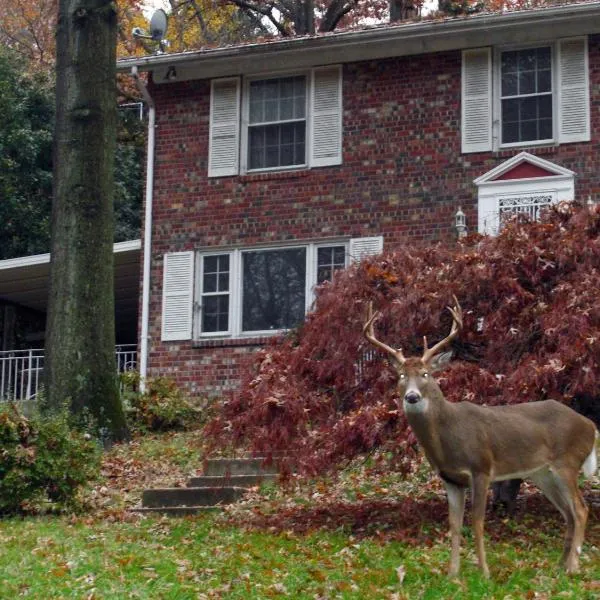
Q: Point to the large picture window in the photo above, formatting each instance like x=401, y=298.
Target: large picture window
x=526, y=95
x=273, y=289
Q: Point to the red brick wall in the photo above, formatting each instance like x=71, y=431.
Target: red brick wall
x=402, y=177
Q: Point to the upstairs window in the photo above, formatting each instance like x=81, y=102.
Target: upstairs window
x=526, y=95
x=277, y=123
x=283, y=122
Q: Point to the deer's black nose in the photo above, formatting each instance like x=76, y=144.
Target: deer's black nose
x=412, y=397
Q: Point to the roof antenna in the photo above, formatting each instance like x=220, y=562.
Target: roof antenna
x=158, y=29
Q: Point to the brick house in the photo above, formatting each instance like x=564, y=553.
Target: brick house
x=273, y=164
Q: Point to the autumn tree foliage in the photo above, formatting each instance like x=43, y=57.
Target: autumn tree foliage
x=322, y=395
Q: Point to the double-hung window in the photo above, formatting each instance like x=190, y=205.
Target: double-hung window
x=292, y=120
x=277, y=123
x=525, y=96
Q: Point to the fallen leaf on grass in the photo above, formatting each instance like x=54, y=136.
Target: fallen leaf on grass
x=401, y=573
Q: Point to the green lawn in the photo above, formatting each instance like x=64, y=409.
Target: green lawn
x=204, y=557
x=365, y=536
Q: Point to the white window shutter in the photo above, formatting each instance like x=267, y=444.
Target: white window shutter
x=476, y=105
x=366, y=246
x=326, y=117
x=178, y=296
x=573, y=90
x=224, y=143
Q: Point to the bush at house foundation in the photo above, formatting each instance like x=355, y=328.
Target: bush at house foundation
x=161, y=407
x=43, y=462
x=531, y=331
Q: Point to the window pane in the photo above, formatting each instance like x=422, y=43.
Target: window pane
x=273, y=287
x=528, y=131
x=509, y=84
x=324, y=274
x=510, y=133
x=546, y=129
x=529, y=109
x=277, y=99
x=215, y=313
x=544, y=56
x=329, y=260
x=216, y=274
x=339, y=255
x=277, y=145
x=527, y=82
x=544, y=81
x=545, y=107
x=209, y=282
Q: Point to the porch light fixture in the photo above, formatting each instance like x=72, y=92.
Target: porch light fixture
x=460, y=222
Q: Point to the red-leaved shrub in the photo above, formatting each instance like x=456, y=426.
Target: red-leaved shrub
x=531, y=305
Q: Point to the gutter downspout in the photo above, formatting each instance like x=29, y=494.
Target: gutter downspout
x=147, y=226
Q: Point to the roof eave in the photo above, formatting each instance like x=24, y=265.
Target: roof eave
x=399, y=40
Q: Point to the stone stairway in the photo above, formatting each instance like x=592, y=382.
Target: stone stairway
x=225, y=481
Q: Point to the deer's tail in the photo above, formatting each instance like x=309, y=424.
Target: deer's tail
x=590, y=466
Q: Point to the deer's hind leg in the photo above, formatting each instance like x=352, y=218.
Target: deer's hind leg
x=560, y=487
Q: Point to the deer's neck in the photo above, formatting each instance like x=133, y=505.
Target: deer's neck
x=429, y=427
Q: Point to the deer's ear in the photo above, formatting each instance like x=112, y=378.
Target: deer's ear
x=439, y=361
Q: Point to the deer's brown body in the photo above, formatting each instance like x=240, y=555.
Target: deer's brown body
x=471, y=446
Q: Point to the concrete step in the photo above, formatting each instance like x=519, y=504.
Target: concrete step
x=229, y=481
x=238, y=466
x=191, y=496
x=174, y=511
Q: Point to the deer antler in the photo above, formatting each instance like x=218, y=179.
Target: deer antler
x=370, y=335
x=457, y=323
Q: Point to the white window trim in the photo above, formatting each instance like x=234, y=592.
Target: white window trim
x=236, y=291
x=246, y=121
x=497, y=95
x=198, y=333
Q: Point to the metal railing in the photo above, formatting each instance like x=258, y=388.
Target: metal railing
x=21, y=371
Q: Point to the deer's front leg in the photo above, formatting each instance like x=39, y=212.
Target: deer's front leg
x=456, y=512
x=479, y=488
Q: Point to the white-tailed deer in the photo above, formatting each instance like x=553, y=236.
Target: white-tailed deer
x=471, y=446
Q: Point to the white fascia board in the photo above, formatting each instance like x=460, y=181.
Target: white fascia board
x=40, y=259
x=127, y=246
x=376, y=43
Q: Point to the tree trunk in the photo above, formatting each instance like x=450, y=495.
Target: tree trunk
x=80, y=339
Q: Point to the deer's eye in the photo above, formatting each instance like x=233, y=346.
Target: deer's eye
x=425, y=375
x=402, y=376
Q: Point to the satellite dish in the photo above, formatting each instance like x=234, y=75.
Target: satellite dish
x=158, y=29
x=158, y=25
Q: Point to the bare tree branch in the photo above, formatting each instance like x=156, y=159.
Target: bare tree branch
x=336, y=11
